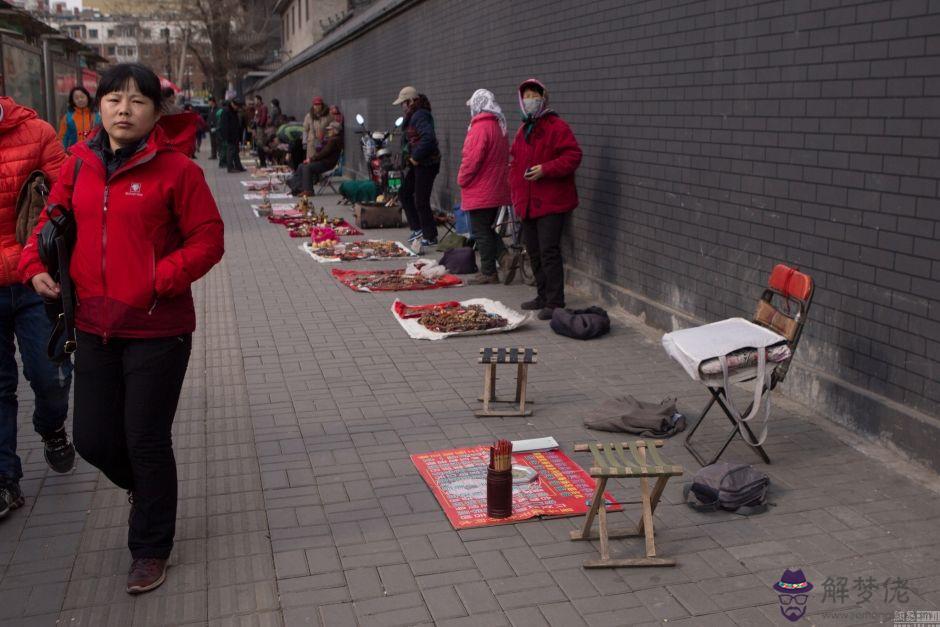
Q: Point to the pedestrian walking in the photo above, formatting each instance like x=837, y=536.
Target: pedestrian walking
x=422, y=160
x=545, y=155
x=27, y=144
x=79, y=119
x=275, y=113
x=147, y=228
x=212, y=119
x=230, y=131
x=483, y=178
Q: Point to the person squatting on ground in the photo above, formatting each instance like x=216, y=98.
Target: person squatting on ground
x=27, y=144
x=545, y=155
x=80, y=117
x=323, y=160
x=148, y=227
x=484, y=179
x=422, y=161
x=315, y=123
x=230, y=132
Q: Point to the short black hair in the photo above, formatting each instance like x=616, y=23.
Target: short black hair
x=275, y=102
x=211, y=98
x=91, y=103
x=258, y=96
x=116, y=78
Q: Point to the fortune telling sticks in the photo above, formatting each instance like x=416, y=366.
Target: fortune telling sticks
x=501, y=456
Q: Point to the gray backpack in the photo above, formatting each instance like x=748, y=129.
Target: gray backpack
x=728, y=486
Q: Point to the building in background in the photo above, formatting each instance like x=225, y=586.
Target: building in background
x=156, y=41
x=305, y=22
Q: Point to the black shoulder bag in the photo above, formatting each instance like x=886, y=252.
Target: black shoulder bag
x=56, y=240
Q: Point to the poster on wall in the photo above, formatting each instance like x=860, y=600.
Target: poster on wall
x=22, y=72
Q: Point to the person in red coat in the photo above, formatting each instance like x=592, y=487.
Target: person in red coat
x=147, y=228
x=484, y=178
x=545, y=155
x=27, y=144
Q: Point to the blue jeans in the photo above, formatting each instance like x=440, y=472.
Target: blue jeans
x=23, y=316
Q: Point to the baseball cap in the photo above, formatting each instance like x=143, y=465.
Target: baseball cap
x=406, y=93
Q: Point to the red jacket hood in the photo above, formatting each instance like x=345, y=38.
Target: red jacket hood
x=533, y=81
x=14, y=114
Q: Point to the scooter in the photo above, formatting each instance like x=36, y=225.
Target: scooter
x=383, y=160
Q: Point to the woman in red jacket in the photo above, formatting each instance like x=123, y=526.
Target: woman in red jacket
x=484, y=178
x=545, y=155
x=148, y=227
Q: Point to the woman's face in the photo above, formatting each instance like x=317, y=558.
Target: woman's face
x=530, y=93
x=127, y=115
x=79, y=99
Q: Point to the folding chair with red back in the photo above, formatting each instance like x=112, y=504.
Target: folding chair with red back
x=782, y=308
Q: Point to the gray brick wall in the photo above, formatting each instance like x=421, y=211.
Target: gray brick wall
x=719, y=138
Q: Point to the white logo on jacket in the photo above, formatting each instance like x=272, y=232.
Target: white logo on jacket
x=134, y=190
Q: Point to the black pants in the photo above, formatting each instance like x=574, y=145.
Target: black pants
x=126, y=392
x=231, y=160
x=213, y=145
x=488, y=243
x=542, y=240
x=415, y=195
x=310, y=175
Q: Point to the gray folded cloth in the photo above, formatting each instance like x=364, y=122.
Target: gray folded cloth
x=627, y=414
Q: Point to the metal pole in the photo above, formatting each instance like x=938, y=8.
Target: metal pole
x=48, y=80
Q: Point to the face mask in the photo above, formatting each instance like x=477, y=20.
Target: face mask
x=531, y=105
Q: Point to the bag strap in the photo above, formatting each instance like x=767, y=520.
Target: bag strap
x=63, y=333
x=762, y=391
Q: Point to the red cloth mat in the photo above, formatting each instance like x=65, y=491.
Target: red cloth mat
x=292, y=221
x=458, y=480
x=372, y=280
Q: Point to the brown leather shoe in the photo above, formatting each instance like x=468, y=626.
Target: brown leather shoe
x=483, y=279
x=146, y=574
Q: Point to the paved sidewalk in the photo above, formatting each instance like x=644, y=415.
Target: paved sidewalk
x=300, y=505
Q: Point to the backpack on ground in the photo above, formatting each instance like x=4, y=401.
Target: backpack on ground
x=729, y=486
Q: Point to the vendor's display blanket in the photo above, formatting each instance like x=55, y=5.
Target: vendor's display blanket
x=356, y=251
x=260, y=196
x=458, y=479
x=302, y=227
x=391, y=280
x=279, y=209
x=405, y=316
x=260, y=186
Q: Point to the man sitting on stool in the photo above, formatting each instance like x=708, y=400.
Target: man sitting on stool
x=323, y=160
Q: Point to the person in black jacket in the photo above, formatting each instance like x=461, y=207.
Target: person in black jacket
x=423, y=161
x=230, y=132
x=323, y=160
x=212, y=121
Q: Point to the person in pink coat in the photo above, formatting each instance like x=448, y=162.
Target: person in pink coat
x=545, y=155
x=484, y=179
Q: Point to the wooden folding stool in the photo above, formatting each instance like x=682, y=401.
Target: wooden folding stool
x=610, y=460
x=490, y=358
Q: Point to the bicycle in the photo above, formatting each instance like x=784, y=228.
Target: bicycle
x=516, y=259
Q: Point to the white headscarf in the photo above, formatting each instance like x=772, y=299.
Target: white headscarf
x=484, y=100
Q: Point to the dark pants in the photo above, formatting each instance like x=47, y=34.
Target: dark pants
x=230, y=159
x=297, y=154
x=415, y=195
x=213, y=145
x=310, y=174
x=542, y=240
x=126, y=392
x=23, y=317
x=488, y=243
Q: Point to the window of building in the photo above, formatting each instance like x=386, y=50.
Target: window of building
x=112, y=50
x=110, y=33
x=93, y=33
x=145, y=33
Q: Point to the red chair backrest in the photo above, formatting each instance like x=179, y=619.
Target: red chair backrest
x=791, y=283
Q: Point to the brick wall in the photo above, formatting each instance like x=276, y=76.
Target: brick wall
x=720, y=137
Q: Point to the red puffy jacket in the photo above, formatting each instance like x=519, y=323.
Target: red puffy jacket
x=484, y=165
x=27, y=144
x=551, y=144
x=144, y=236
